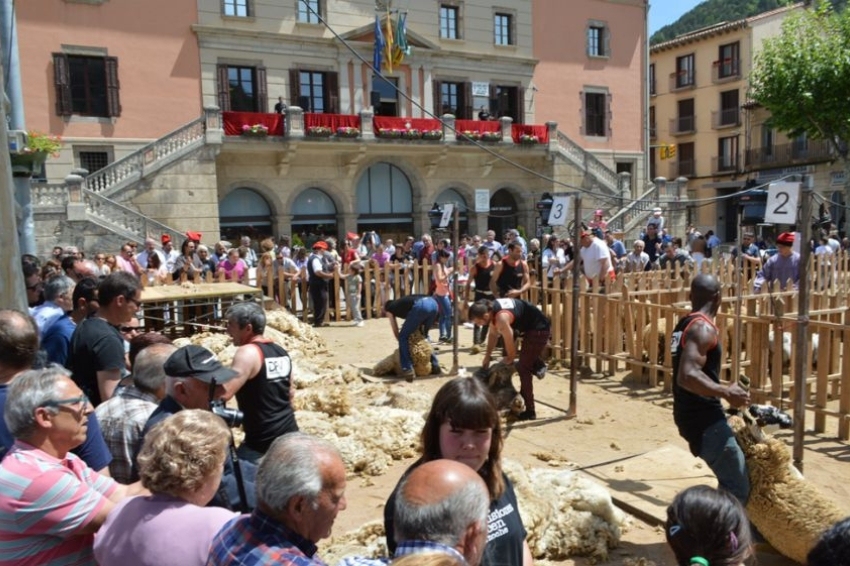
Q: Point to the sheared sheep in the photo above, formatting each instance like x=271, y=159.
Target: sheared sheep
x=790, y=512
x=499, y=380
x=787, y=342
x=420, y=353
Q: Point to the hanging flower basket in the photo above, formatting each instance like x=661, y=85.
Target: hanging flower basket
x=469, y=135
x=319, y=132
x=28, y=163
x=432, y=135
x=491, y=137
x=411, y=134
x=347, y=132
x=255, y=131
x=529, y=139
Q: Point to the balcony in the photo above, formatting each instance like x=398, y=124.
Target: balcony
x=725, y=70
x=682, y=80
x=725, y=164
x=683, y=125
x=653, y=131
x=788, y=155
x=726, y=118
x=683, y=168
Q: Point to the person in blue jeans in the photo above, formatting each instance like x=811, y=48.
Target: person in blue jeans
x=697, y=390
x=419, y=313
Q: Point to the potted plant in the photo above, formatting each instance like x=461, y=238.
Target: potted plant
x=319, y=132
x=390, y=133
x=411, y=134
x=469, y=135
x=529, y=139
x=255, y=131
x=347, y=132
x=39, y=147
x=491, y=137
x=432, y=135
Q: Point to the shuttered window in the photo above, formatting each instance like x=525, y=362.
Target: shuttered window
x=598, y=39
x=314, y=91
x=242, y=89
x=596, y=112
x=86, y=85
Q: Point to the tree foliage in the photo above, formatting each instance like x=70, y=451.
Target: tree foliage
x=802, y=76
x=713, y=12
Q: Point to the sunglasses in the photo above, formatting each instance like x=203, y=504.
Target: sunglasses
x=129, y=328
x=82, y=399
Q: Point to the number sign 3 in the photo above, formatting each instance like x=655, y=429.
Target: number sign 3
x=560, y=210
x=782, y=199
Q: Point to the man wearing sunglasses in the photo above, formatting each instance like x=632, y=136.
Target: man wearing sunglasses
x=96, y=357
x=52, y=503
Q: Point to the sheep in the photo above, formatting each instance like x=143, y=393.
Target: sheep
x=420, y=353
x=498, y=378
x=787, y=342
x=789, y=512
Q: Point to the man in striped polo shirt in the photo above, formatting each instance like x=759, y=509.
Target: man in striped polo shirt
x=51, y=502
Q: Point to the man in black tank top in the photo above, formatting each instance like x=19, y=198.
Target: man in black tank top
x=697, y=390
x=262, y=386
x=510, y=277
x=508, y=317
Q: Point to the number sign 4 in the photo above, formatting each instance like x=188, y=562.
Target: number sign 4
x=782, y=200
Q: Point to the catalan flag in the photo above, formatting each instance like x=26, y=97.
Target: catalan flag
x=390, y=43
x=379, y=45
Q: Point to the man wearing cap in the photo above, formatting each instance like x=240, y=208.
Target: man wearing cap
x=195, y=378
x=169, y=253
x=318, y=282
x=782, y=266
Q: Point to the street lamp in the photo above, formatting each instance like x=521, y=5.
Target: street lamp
x=544, y=208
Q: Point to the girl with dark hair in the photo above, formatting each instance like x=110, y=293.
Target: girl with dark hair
x=708, y=527
x=463, y=425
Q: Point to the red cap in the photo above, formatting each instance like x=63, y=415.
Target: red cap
x=586, y=233
x=785, y=239
x=351, y=236
x=194, y=236
x=165, y=239
x=599, y=212
x=320, y=245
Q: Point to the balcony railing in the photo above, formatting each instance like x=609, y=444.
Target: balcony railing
x=683, y=168
x=724, y=70
x=653, y=131
x=784, y=155
x=683, y=125
x=682, y=80
x=726, y=118
x=723, y=164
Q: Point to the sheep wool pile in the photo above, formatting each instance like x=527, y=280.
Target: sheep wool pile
x=789, y=511
x=420, y=353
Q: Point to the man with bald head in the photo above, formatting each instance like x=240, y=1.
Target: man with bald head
x=697, y=390
x=441, y=506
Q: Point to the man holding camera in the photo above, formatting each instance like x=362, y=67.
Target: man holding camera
x=263, y=380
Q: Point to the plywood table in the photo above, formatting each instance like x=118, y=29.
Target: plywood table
x=183, y=309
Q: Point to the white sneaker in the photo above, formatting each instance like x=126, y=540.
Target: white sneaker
x=468, y=325
x=359, y=324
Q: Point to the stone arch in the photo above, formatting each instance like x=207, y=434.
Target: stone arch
x=314, y=212
x=385, y=199
x=504, y=210
x=452, y=194
x=245, y=211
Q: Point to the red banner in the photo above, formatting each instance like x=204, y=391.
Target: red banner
x=542, y=132
x=394, y=123
x=479, y=126
x=332, y=121
x=233, y=122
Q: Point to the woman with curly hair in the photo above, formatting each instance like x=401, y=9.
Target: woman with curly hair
x=463, y=425
x=181, y=463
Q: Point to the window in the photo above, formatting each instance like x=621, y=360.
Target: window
x=242, y=88
x=727, y=154
x=314, y=91
x=686, y=120
x=450, y=97
x=86, y=85
x=509, y=101
x=237, y=8
x=502, y=24
x=685, y=75
x=597, y=39
x=653, y=130
x=768, y=139
x=454, y=98
x=595, y=114
x=652, y=90
x=728, y=62
x=387, y=89
x=686, y=166
x=309, y=11
x=449, y=16
x=93, y=161
x=729, y=109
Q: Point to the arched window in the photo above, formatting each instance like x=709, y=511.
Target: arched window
x=503, y=213
x=244, y=212
x=314, y=212
x=385, y=201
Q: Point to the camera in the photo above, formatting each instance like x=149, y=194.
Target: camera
x=231, y=417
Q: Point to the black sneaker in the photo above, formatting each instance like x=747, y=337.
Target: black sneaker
x=526, y=416
x=436, y=370
x=540, y=372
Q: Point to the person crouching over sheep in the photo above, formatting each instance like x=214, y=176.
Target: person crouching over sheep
x=463, y=425
x=418, y=312
x=507, y=317
x=708, y=527
x=833, y=547
x=697, y=390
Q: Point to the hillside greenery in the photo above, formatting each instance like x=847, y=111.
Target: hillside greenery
x=713, y=12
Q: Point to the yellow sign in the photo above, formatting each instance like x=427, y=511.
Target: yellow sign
x=667, y=151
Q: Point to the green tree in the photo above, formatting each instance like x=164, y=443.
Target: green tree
x=802, y=77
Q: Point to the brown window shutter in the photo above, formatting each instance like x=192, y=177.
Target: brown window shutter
x=582, y=113
x=294, y=87
x=465, y=108
x=494, y=102
x=438, y=98
x=609, y=114
x=332, y=86
x=113, y=101
x=62, y=82
x=520, y=102
x=262, y=91
x=223, y=88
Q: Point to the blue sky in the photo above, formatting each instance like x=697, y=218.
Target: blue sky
x=663, y=12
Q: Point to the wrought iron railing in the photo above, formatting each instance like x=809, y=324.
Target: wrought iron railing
x=783, y=155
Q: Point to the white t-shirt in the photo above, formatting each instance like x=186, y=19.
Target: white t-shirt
x=592, y=256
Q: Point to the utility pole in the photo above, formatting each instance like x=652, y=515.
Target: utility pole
x=802, y=329
x=15, y=121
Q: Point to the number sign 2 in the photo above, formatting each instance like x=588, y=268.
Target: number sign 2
x=782, y=199
x=560, y=210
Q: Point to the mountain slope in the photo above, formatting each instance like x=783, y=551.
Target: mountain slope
x=713, y=12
